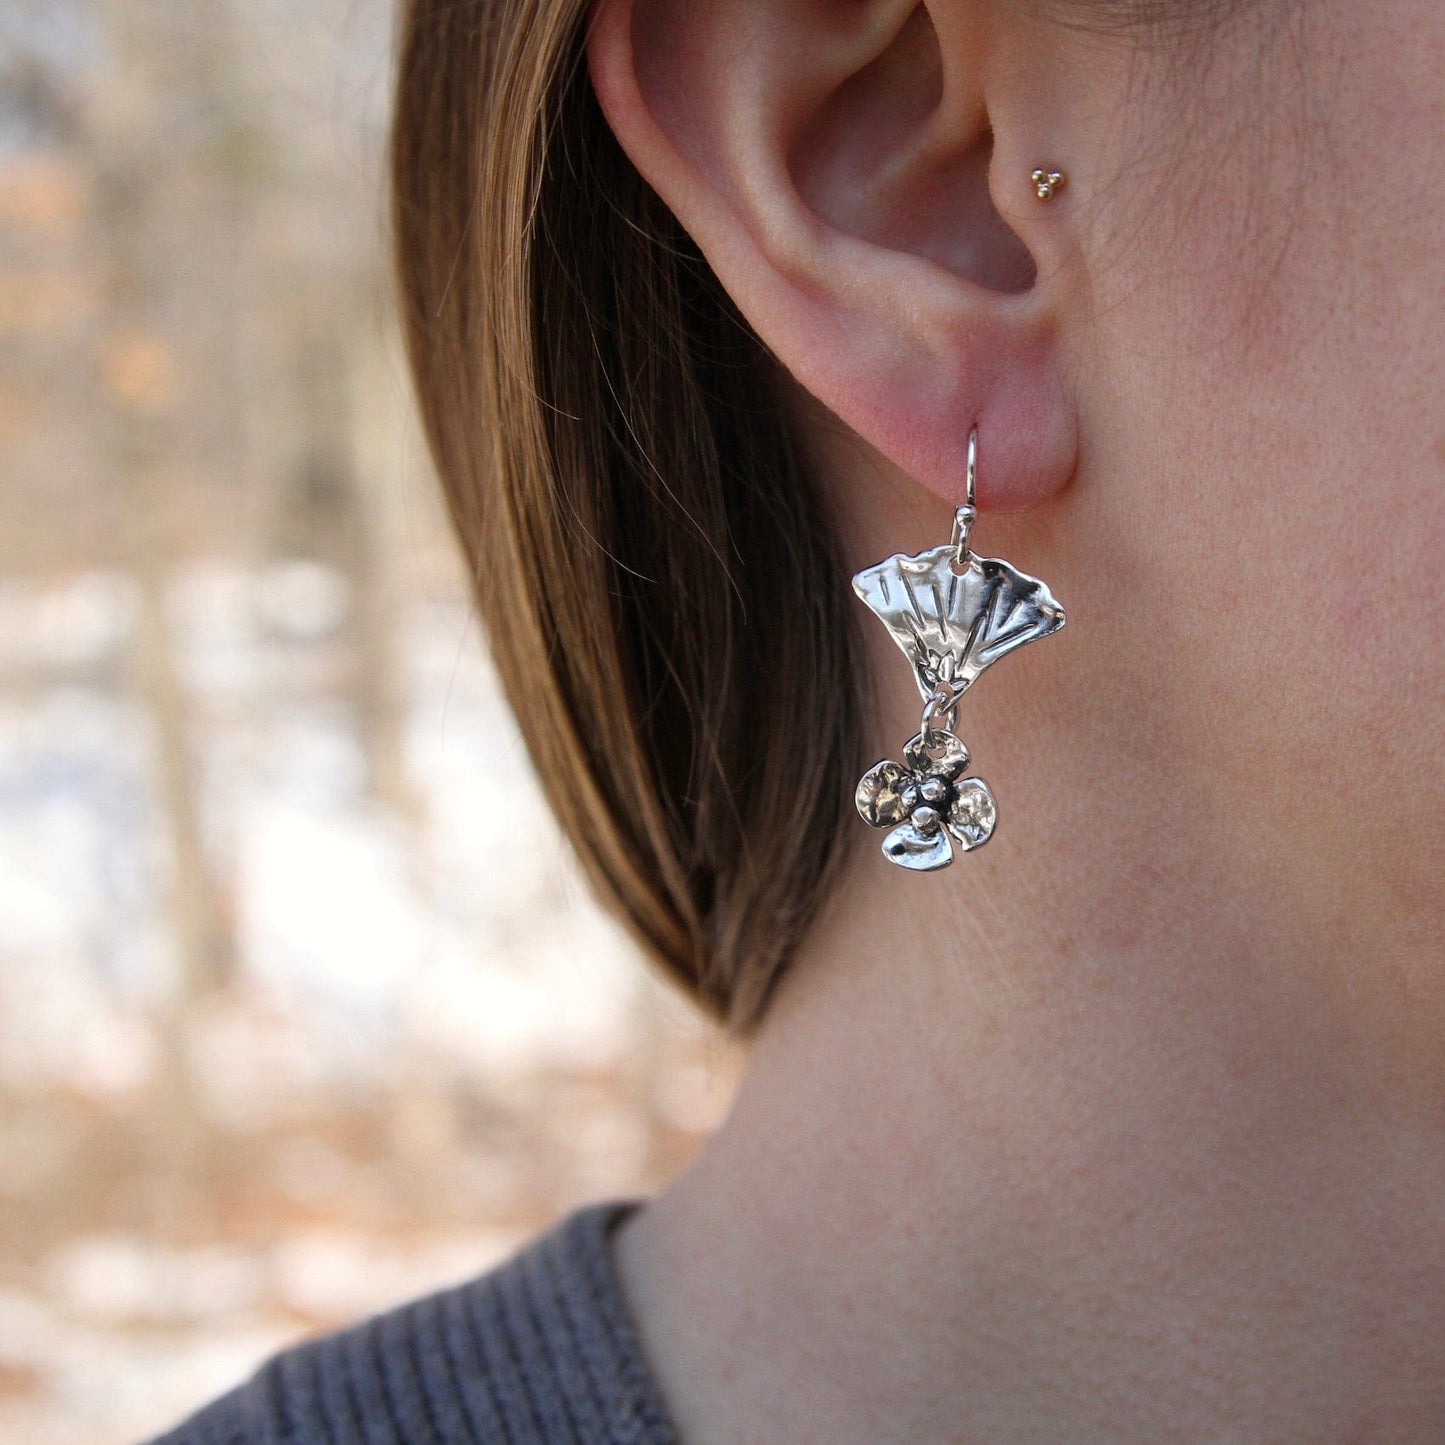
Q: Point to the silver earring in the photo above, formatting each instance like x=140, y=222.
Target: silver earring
x=953, y=613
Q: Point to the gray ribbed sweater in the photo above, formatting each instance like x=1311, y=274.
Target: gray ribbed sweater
x=541, y=1349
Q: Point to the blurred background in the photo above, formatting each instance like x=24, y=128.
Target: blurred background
x=303, y=1005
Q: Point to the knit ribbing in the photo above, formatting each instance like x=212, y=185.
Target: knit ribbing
x=541, y=1351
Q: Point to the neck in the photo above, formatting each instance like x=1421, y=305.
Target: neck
x=1089, y=1143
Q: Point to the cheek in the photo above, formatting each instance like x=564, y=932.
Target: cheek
x=1284, y=396
x=1262, y=418
x=1280, y=512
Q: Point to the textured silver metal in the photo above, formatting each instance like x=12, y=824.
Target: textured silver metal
x=910, y=847
x=952, y=625
x=927, y=802
x=939, y=710
x=954, y=614
x=974, y=813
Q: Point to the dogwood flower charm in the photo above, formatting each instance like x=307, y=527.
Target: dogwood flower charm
x=925, y=801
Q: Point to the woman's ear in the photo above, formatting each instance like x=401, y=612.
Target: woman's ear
x=839, y=166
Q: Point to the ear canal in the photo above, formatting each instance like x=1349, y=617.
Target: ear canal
x=892, y=159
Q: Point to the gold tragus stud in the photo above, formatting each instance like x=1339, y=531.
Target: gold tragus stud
x=1047, y=183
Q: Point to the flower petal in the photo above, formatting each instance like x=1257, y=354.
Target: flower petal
x=974, y=813
x=943, y=755
x=922, y=852
x=880, y=794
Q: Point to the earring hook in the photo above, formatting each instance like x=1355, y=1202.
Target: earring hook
x=964, y=516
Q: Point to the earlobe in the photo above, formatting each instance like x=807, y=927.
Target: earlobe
x=833, y=164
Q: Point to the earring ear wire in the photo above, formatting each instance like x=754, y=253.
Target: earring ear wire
x=965, y=516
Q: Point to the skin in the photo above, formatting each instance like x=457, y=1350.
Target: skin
x=1130, y=1126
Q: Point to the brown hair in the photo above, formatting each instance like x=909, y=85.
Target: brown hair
x=662, y=596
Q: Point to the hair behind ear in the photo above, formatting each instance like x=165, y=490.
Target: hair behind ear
x=665, y=606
